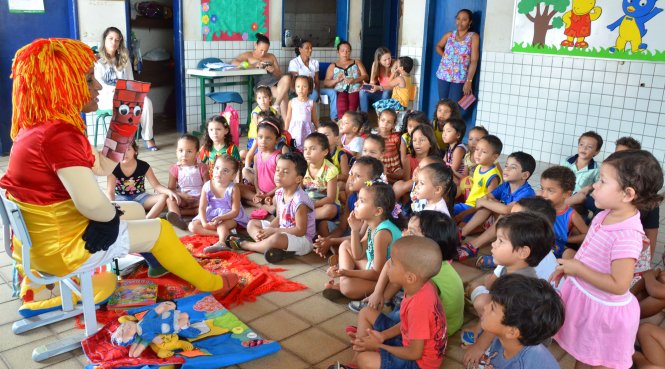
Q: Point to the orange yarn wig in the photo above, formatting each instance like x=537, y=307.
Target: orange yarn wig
x=50, y=83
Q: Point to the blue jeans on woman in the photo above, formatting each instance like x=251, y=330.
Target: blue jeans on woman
x=332, y=101
x=368, y=98
x=450, y=90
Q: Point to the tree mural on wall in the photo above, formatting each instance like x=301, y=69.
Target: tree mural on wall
x=544, y=18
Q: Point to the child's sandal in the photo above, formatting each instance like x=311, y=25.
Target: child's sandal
x=485, y=262
x=468, y=338
x=274, y=256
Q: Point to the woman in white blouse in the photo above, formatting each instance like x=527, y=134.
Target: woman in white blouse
x=304, y=65
x=114, y=64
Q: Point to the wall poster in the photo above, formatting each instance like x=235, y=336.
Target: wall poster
x=233, y=20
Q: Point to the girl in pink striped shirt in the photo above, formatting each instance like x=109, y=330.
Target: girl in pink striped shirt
x=602, y=316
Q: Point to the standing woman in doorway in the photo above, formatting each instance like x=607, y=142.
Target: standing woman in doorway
x=459, y=52
x=260, y=58
x=114, y=64
x=346, y=75
x=304, y=65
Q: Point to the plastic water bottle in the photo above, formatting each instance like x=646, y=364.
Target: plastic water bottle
x=337, y=41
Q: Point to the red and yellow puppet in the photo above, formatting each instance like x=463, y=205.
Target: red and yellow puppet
x=127, y=110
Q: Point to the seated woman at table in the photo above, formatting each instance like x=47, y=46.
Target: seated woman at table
x=114, y=64
x=260, y=58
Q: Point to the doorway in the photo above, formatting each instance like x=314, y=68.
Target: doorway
x=160, y=42
x=59, y=20
x=379, y=28
x=439, y=20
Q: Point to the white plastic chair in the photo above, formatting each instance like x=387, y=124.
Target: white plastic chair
x=12, y=219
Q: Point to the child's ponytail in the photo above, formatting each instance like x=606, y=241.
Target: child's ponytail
x=384, y=198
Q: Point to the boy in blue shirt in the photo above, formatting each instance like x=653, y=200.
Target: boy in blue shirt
x=519, y=167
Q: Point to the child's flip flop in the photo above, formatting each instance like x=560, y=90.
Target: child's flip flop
x=485, y=262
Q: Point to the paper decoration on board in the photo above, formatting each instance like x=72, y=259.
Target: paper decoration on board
x=233, y=20
x=26, y=6
x=613, y=29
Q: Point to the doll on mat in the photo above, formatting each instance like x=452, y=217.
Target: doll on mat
x=159, y=328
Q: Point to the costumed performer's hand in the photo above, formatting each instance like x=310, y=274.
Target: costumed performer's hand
x=99, y=236
x=103, y=166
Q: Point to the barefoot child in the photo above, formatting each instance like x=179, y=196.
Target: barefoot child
x=186, y=178
x=362, y=257
x=417, y=339
x=220, y=210
x=293, y=229
x=131, y=187
x=600, y=310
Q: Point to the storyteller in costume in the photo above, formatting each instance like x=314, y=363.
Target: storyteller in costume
x=52, y=168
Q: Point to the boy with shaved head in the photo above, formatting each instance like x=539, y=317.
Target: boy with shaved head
x=416, y=338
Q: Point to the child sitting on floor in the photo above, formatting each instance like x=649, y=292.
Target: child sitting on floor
x=293, y=229
x=557, y=184
x=440, y=228
x=522, y=241
x=187, y=176
x=365, y=169
x=453, y=134
x=217, y=141
x=586, y=170
x=393, y=164
x=220, y=210
x=338, y=155
x=475, y=134
x=350, y=127
x=263, y=96
x=320, y=181
x=510, y=316
x=131, y=187
x=445, y=109
x=262, y=175
x=362, y=258
x=417, y=339
x=434, y=189
x=486, y=178
x=519, y=168
x=413, y=119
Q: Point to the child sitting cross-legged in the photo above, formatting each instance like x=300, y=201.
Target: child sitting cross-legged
x=220, y=210
x=519, y=168
x=293, y=229
x=522, y=241
x=557, y=184
x=320, y=181
x=486, y=177
x=440, y=228
x=586, y=170
x=338, y=155
x=522, y=313
x=416, y=339
x=187, y=177
x=365, y=169
x=362, y=258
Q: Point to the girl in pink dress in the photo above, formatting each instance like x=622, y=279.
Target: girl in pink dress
x=602, y=316
x=302, y=118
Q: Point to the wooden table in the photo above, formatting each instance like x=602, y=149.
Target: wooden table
x=207, y=79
